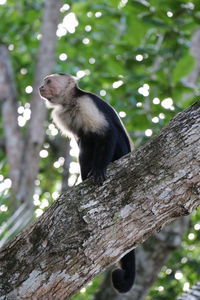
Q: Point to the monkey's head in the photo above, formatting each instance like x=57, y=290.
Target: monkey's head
x=57, y=87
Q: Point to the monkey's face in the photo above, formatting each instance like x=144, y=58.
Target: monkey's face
x=55, y=88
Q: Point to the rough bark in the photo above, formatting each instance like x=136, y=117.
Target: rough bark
x=89, y=228
x=150, y=258
x=13, y=137
x=36, y=130
x=192, y=294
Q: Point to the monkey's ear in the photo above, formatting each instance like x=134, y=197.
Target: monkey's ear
x=74, y=79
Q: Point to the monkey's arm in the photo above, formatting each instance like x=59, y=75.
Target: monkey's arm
x=104, y=148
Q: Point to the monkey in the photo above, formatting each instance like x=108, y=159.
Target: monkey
x=101, y=137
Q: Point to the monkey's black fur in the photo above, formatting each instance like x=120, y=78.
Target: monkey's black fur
x=123, y=278
x=97, y=150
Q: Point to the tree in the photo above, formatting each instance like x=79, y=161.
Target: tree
x=134, y=54
x=78, y=237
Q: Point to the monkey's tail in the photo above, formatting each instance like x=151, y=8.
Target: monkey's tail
x=123, y=278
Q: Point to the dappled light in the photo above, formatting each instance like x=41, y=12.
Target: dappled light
x=63, y=56
x=68, y=24
x=117, y=84
x=148, y=132
x=2, y=2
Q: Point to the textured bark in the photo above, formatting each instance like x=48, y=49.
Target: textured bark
x=150, y=257
x=89, y=228
x=13, y=137
x=36, y=130
x=192, y=294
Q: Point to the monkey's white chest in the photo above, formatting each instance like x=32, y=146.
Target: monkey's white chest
x=85, y=116
x=64, y=120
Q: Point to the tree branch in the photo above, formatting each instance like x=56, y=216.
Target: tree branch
x=89, y=228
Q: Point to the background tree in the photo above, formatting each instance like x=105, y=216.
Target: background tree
x=135, y=54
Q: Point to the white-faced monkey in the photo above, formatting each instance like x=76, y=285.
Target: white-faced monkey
x=101, y=138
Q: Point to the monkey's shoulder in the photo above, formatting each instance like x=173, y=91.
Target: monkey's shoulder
x=91, y=117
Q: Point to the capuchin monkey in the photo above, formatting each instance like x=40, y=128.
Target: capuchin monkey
x=101, y=138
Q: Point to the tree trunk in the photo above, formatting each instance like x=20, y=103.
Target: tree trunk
x=13, y=137
x=89, y=228
x=192, y=79
x=36, y=130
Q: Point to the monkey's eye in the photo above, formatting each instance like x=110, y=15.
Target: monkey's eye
x=48, y=81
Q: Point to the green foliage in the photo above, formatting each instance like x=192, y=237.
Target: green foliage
x=183, y=67
x=87, y=293
x=144, y=46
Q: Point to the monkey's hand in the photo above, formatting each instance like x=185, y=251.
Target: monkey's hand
x=98, y=176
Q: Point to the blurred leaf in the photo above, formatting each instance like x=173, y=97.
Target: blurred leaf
x=183, y=67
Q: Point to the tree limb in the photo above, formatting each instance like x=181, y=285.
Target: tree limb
x=89, y=228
